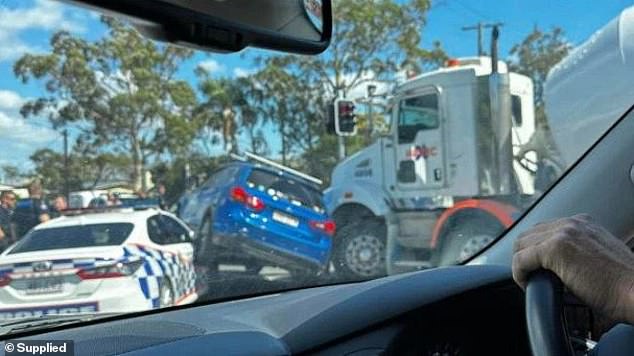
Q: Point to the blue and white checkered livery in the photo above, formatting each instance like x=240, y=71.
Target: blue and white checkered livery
x=116, y=261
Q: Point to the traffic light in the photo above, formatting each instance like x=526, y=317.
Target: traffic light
x=345, y=118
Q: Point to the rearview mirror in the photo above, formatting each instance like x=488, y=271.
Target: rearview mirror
x=297, y=26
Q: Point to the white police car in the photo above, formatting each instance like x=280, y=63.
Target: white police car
x=110, y=261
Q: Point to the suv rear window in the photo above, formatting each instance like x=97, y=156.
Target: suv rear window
x=287, y=188
x=74, y=236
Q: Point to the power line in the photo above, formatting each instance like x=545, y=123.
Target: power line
x=483, y=16
x=479, y=28
x=437, y=4
x=474, y=11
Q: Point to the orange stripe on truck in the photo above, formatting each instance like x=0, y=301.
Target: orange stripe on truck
x=501, y=211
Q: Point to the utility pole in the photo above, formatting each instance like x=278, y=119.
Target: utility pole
x=66, y=185
x=371, y=92
x=479, y=27
x=341, y=142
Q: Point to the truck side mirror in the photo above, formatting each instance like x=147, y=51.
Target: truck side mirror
x=345, y=119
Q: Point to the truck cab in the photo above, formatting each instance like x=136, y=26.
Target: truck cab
x=449, y=155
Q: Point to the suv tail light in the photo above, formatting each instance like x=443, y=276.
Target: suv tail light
x=327, y=226
x=5, y=281
x=119, y=269
x=238, y=194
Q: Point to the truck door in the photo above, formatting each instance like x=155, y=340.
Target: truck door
x=419, y=148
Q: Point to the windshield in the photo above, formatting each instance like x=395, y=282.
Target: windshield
x=73, y=237
x=258, y=188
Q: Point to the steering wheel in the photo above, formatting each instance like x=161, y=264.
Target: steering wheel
x=547, y=330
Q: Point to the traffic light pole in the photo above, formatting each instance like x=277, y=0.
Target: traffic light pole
x=341, y=143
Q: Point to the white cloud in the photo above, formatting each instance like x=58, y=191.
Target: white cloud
x=242, y=72
x=20, y=133
x=10, y=100
x=211, y=66
x=20, y=137
x=44, y=15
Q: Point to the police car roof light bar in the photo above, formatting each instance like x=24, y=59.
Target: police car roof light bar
x=267, y=162
x=73, y=212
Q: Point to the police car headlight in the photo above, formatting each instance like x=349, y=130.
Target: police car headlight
x=120, y=269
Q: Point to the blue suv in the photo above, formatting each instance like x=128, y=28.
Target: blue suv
x=258, y=215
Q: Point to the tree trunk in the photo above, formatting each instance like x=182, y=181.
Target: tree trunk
x=284, y=143
x=137, y=165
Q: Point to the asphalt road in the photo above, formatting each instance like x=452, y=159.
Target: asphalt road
x=233, y=281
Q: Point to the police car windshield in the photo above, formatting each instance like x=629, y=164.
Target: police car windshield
x=74, y=237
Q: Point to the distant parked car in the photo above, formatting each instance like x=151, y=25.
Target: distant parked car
x=259, y=215
x=82, y=199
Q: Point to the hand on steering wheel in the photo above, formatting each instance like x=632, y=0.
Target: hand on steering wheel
x=547, y=329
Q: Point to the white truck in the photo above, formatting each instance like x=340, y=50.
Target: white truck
x=446, y=180
x=448, y=158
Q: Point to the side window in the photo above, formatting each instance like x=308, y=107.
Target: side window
x=175, y=232
x=220, y=177
x=226, y=175
x=416, y=114
x=516, y=110
x=155, y=230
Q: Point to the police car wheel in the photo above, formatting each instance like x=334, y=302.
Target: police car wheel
x=166, y=296
x=466, y=237
x=361, y=251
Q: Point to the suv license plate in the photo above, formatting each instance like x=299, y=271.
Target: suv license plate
x=285, y=219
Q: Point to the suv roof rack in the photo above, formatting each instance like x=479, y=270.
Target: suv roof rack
x=251, y=156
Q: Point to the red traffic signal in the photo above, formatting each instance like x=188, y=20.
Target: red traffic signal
x=345, y=118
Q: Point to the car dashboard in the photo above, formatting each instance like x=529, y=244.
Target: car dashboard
x=445, y=311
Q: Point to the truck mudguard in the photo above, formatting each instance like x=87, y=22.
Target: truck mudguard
x=502, y=212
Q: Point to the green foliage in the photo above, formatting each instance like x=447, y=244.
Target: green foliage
x=119, y=91
x=230, y=107
x=85, y=170
x=369, y=43
x=537, y=54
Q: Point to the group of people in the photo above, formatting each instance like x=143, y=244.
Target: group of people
x=17, y=219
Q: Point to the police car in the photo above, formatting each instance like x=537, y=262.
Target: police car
x=112, y=261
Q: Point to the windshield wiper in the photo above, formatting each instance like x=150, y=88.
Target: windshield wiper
x=46, y=321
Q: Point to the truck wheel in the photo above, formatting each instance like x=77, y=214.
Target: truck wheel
x=360, y=252
x=466, y=237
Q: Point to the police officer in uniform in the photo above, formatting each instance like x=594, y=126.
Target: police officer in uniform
x=31, y=212
x=7, y=231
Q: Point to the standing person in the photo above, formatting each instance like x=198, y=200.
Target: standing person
x=113, y=199
x=7, y=231
x=59, y=205
x=162, y=202
x=31, y=212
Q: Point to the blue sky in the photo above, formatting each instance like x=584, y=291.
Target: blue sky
x=26, y=26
